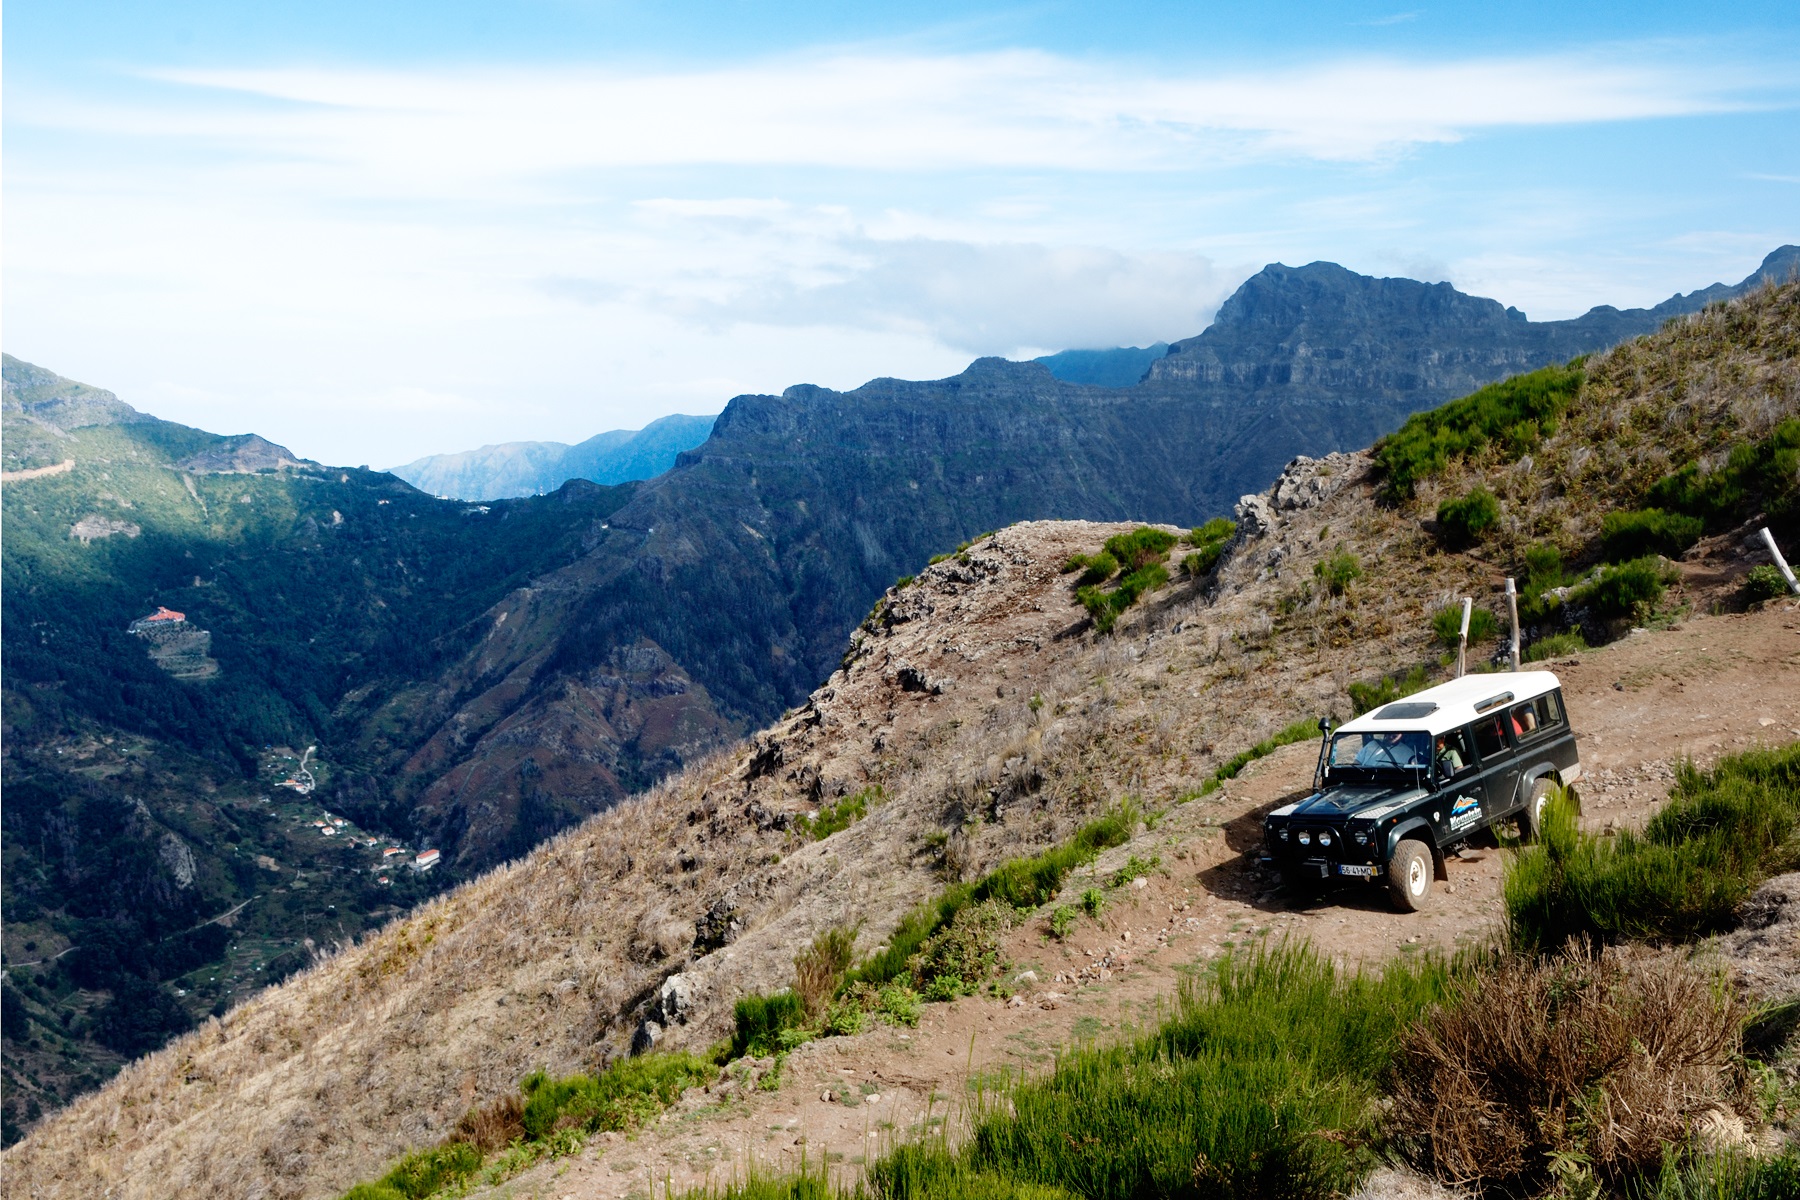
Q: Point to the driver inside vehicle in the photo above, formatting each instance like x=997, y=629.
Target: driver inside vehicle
x=1386, y=750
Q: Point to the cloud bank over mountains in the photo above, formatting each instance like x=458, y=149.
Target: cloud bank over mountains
x=373, y=262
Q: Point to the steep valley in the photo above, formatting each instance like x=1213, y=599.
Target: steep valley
x=979, y=716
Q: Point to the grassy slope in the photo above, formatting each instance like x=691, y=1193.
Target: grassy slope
x=396, y=1028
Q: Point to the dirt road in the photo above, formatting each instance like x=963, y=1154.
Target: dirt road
x=1712, y=686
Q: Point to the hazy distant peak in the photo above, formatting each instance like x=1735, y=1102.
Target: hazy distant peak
x=532, y=468
x=1118, y=367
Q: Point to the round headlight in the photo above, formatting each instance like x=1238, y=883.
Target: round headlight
x=1284, y=835
x=1305, y=838
x=1362, y=837
x=1324, y=837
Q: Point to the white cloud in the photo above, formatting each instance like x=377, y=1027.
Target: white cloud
x=1010, y=109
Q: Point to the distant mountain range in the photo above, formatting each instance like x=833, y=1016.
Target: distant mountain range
x=1119, y=367
x=477, y=676
x=534, y=468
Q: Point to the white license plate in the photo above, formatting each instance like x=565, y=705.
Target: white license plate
x=1362, y=870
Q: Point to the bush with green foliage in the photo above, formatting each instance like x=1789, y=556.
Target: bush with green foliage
x=1764, y=582
x=1514, y=414
x=1464, y=519
x=1626, y=590
x=761, y=1020
x=955, y=961
x=1635, y=533
x=1139, y=548
x=1338, y=571
x=1135, y=868
x=840, y=815
x=1387, y=689
x=548, y=1116
x=1446, y=623
x=1209, y=542
x=1555, y=645
x=1062, y=921
x=1722, y=832
x=1139, y=555
x=422, y=1173
x=1094, y=568
x=1764, y=475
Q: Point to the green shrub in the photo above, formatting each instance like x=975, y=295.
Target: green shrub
x=1209, y=542
x=1106, y=607
x=1062, y=921
x=1463, y=520
x=1720, y=834
x=1542, y=572
x=1447, y=624
x=954, y=961
x=1764, y=582
x=903, y=582
x=1094, y=568
x=1135, y=868
x=1139, y=548
x=621, y=1098
x=1387, y=689
x=1631, y=589
x=1555, y=646
x=1756, y=475
x=837, y=817
x=760, y=1021
x=1093, y=901
x=1516, y=413
x=819, y=969
x=421, y=1173
x=1338, y=572
x=898, y=1004
x=1634, y=533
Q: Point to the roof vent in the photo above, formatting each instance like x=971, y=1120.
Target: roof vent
x=1493, y=702
x=1407, y=710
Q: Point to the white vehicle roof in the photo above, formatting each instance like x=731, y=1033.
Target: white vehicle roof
x=1452, y=705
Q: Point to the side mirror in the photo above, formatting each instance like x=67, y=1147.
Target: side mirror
x=1324, y=724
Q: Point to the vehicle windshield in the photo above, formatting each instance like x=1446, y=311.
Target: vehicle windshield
x=1385, y=751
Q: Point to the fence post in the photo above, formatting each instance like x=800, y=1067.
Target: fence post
x=1780, y=562
x=1512, y=604
x=1462, y=641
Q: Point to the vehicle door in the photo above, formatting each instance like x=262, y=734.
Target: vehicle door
x=1499, y=765
x=1458, y=782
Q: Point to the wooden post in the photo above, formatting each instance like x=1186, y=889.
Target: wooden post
x=1780, y=562
x=1512, y=604
x=1462, y=642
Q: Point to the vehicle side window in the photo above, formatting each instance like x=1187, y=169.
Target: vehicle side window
x=1549, y=710
x=1451, y=755
x=1524, y=720
x=1490, y=738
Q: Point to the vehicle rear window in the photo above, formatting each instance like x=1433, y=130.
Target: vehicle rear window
x=1549, y=710
x=1490, y=736
x=1524, y=721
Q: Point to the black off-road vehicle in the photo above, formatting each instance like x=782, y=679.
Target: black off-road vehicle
x=1400, y=786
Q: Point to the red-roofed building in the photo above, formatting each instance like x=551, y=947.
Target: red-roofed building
x=162, y=618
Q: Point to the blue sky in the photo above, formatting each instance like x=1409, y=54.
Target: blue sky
x=374, y=231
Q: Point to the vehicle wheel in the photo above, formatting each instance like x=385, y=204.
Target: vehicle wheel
x=1531, y=817
x=1409, y=875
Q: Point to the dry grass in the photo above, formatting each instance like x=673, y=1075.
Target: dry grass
x=1595, y=1063
x=550, y=963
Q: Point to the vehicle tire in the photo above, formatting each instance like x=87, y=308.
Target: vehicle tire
x=1409, y=875
x=1531, y=817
